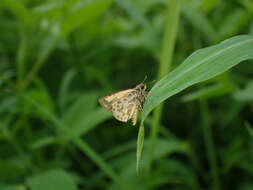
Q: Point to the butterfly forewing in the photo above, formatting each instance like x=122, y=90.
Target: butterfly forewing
x=108, y=101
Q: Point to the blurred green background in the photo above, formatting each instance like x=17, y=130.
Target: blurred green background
x=57, y=57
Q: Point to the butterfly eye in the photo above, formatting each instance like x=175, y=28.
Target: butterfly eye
x=142, y=87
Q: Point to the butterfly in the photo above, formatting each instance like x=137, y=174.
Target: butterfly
x=125, y=104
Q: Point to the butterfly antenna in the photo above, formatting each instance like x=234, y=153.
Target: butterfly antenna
x=145, y=78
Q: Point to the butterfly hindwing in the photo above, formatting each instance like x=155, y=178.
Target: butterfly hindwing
x=124, y=110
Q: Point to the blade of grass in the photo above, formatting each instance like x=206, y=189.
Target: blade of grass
x=21, y=56
x=47, y=46
x=168, y=44
x=208, y=138
x=82, y=145
x=52, y=180
x=249, y=128
x=140, y=142
x=202, y=65
x=200, y=21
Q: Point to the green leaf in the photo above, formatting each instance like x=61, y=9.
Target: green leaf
x=250, y=130
x=163, y=149
x=233, y=23
x=200, y=66
x=246, y=94
x=64, y=88
x=12, y=187
x=43, y=142
x=83, y=115
x=140, y=141
x=199, y=21
x=85, y=104
x=42, y=98
x=52, y=180
x=86, y=124
x=83, y=12
x=211, y=91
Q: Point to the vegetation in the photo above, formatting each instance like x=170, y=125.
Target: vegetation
x=57, y=57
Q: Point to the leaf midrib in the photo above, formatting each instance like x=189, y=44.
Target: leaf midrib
x=210, y=56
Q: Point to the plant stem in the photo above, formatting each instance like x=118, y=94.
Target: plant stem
x=20, y=58
x=168, y=43
x=208, y=138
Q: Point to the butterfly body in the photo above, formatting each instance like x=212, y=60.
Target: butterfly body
x=125, y=104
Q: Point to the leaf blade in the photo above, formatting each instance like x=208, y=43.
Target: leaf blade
x=200, y=66
x=51, y=180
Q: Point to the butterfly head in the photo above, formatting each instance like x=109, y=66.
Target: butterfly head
x=141, y=87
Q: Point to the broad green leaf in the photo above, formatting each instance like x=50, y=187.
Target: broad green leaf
x=246, y=94
x=84, y=115
x=52, y=180
x=164, y=148
x=87, y=123
x=66, y=128
x=85, y=104
x=13, y=187
x=83, y=12
x=42, y=97
x=200, y=66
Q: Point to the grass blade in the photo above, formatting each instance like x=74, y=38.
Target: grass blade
x=100, y=162
x=51, y=180
x=249, y=128
x=140, y=141
x=164, y=66
x=200, y=66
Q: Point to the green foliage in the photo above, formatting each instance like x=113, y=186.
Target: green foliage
x=200, y=66
x=57, y=57
x=55, y=179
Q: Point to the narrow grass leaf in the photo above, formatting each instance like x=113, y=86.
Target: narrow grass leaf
x=61, y=127
x=200, y=66
x=168, y=45
x=249, y=128
x=140, y=141
x=83, y=146
x=199, y=21
x=52, y=180
x=65, y=85
x=211, y=91
x=13, y=187
x=89, y=122
x=245, y=94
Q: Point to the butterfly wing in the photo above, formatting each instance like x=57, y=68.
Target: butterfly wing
x=123, y=111
x=134, y=116
x=123, y=105
x=109, y=100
